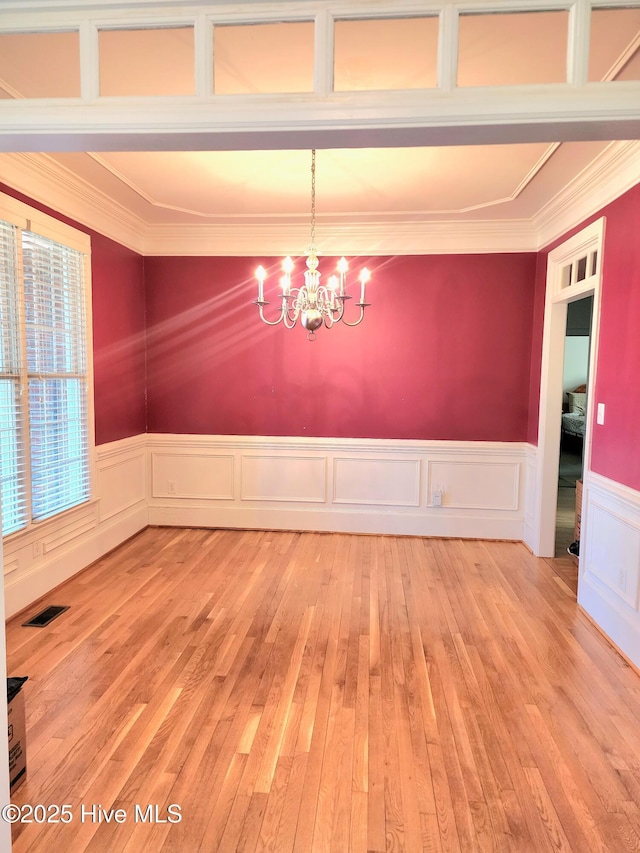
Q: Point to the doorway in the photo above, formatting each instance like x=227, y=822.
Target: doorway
x=573, y=273
x=575, y=380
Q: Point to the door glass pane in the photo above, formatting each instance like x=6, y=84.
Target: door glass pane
x=615, y=44
x=582, y=269
x=149, y=62
x=263, y=58
x=517, y=48
x=40, y=65
x=398, y=53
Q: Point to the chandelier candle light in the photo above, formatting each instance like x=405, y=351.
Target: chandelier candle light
x=312, y=303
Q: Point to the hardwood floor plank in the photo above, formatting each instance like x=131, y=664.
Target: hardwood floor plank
x=377, y=831
x=327, y=692
x=270, y=758
x=291, y=805
x=557, y=837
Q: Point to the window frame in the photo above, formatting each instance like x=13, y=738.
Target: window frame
x=27, y=218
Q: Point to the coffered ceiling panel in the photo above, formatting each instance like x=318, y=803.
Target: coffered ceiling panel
x=395, y=185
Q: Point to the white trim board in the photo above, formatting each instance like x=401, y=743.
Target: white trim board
x=587, y=243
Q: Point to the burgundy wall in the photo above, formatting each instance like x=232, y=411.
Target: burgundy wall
x=118, y=340
x=614, y=450
x=616, y=444
x=117, y=276
x=443, y=352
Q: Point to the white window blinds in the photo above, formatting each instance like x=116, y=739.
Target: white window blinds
x=44, y=381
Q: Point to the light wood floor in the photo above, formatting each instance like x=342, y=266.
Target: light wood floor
x=326, y=692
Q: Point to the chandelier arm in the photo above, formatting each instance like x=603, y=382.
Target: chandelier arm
x=362, y=306
x=333, y=314
x=296, y=302
x=328, y=300
x=264, y=319
x=289, y=319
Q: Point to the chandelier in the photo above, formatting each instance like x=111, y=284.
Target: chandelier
x=312, y=303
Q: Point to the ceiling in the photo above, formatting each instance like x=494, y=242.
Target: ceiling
x=448, y=184
x=382, y=184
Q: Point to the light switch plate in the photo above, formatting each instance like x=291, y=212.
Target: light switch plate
x=600, y=415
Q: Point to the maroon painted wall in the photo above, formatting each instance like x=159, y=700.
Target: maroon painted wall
x=616, y=444
x=118, y=340
x=614, y=450
x=443, y=352
x=117, y=276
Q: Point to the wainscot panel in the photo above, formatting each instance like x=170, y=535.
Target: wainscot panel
x=50, y=552
x=294, y=479
x=473, y=484
x=377, y=482
x=193, y=475
x=121, y=482
x=609, y=576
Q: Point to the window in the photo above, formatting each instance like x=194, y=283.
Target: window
x=44, y=375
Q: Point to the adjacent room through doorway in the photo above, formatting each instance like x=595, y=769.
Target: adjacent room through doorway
x=574, y=415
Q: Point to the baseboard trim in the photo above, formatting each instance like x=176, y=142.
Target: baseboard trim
x=444, y=525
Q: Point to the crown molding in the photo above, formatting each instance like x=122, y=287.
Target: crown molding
x=356, y=238
x=45, y=181
x=608, y=176
x=42, y=179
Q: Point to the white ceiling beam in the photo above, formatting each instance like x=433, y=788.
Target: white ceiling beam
x=553, y=113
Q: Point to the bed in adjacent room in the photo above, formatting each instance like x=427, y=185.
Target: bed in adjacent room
x=574, y=420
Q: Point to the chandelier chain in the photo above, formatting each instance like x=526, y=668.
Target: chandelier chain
x=313, y=197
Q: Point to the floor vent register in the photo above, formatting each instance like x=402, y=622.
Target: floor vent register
x=45, y=616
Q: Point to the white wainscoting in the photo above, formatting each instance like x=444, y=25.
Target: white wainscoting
x=52, y=551
x=349, y=485
x=609, y=577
